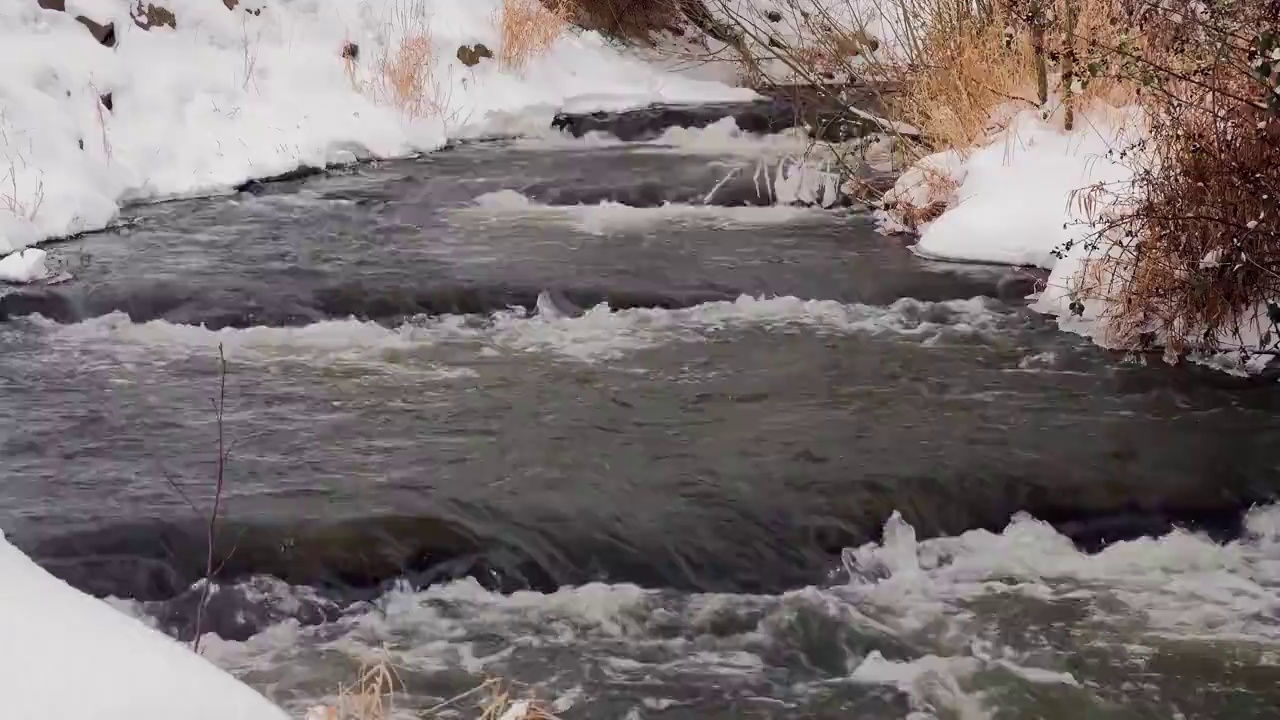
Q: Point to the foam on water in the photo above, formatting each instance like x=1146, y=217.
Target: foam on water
x=720, y=138
x=609, y=218
x=600, y=333
x=961, y=626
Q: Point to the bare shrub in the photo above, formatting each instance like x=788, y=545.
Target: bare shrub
x=19, y=199
x=633, y=21
x=527, y=29
x=1195, y=245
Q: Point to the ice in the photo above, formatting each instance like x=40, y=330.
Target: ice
x=68, y=656
x=231, y=95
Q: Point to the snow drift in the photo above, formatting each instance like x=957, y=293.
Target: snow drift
x=225, y=95
x=68, y=656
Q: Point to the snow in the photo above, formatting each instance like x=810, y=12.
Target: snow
x=68, y=656
x=1012, y=200
x=230, y=95
x=23, y=266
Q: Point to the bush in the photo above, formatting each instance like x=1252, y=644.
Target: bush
x=527, y=29
x=1197, y=241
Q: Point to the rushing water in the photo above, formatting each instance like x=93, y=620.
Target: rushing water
x=541, y=412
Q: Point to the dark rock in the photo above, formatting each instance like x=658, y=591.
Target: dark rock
x=231, y=4
x=104, y=34
x=153, y=16
x=107, y=101
x=773, y=16
x=56, y=5
x=830, y=120
x=471, y=55
x=350, y=51
x=81, y=143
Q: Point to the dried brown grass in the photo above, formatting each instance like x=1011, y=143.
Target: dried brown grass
x=402, y=73
x=372, y=697
x=967, y=64
x=527, y=29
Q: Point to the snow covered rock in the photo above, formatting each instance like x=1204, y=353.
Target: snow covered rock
x=67, y=656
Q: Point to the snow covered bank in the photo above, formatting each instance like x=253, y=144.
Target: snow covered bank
x=226, y=95
x=68, y=656
x=1020, y=200
x=1030, y=197
x=1011, y=201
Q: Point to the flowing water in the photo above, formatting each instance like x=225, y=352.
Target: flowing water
x=538, y=410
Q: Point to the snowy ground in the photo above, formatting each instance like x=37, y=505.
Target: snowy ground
x=68, y=659
x=229, y=95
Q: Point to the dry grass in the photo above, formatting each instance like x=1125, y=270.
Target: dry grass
x=528, y=28
x=405, y=77
x=402, y=73
x=18, y=198
x=372, y=697
x=968, y=64
x=970, y=70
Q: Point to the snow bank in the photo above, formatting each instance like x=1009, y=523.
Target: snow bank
x=229, y=95
x=1011, y=201
x=1017, y=200
x=68, y=656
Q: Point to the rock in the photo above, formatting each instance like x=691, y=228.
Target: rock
x=153, y=16
x=104, y=34
x=773, y=16
x=231, y=4
x=107, y=101
x=470, y=55
x=350, y=51
x=57, y=5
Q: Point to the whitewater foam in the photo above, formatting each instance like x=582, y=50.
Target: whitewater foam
x=608, y=218
x=955, y=624
x=599, y=333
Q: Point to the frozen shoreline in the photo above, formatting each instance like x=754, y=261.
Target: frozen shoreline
x=228, y=96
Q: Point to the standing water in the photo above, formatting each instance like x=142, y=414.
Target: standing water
x=542, y=412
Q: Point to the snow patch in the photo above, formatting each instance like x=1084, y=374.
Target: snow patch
x=24, y=266
x=69, y=656
x=1014, y=200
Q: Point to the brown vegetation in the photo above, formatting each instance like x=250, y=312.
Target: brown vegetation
x=372, y=697
x=527, y=29
x=1197, y=237
x=632, y=21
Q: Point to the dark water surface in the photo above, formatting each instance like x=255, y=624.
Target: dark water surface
x=767, y=386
